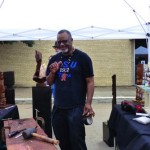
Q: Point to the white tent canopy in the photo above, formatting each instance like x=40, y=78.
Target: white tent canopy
x=79, y=34
x=86, y=19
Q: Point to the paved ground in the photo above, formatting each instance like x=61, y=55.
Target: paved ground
x=101, y=94
x=94, y=132
x=101, y=104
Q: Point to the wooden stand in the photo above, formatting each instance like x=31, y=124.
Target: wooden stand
x=42, y=102
x=114, y=90
x=106, y=134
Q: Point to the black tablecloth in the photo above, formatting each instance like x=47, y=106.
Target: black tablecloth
x=9, y=112
x=130, y=135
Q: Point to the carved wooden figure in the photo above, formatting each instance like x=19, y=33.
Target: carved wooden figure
x=36, y=77
x=2, y=91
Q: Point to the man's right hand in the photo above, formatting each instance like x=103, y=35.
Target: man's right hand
x=54, y=67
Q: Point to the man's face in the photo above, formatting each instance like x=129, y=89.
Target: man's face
x=64, y=42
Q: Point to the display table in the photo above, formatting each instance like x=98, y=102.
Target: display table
x=129, y=134
x=25, y=144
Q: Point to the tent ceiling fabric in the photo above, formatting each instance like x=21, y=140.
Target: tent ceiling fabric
x=88, y=33
x=92, y=19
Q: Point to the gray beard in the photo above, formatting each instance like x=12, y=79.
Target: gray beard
x=65, y=51
x=58, y=51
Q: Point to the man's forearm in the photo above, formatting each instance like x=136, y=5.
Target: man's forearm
x=50, y=78
x=90, y=90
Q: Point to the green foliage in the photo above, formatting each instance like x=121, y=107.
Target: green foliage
x=28, y=43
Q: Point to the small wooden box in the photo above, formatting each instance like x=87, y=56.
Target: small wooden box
x=106, y=135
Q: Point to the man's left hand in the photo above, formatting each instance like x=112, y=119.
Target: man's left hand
x=88, y=110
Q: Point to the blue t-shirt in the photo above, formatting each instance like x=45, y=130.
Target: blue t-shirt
x=70, y=80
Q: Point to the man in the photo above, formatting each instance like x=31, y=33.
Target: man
x=39, y=75
x=56, y=48
x=72, y=72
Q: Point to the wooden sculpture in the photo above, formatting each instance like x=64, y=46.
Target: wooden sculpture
x=38, y=77
x=2, y=91
x=139, y=79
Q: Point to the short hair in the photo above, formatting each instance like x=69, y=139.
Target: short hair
x=64, y=30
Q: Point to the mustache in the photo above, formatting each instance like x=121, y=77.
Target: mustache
x=64, y=46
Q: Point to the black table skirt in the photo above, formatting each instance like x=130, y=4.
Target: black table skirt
x=130, y=135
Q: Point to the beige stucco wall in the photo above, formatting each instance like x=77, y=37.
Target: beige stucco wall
x=109, y=57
